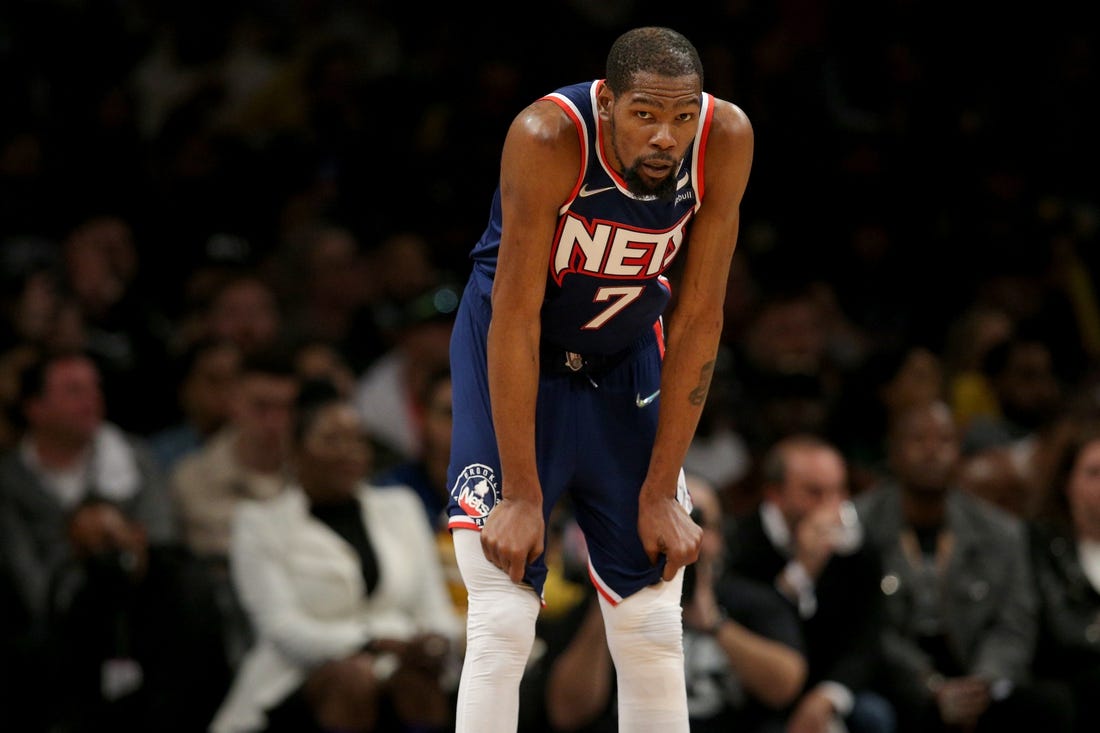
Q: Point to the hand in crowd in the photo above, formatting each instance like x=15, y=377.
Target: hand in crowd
x=822, y=533
x=813, y=714
x=961, y=700
x=97, y=529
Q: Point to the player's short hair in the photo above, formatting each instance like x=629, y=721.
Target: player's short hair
x=650, y=49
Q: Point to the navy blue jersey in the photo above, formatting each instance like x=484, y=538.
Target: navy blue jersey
x=605, y=284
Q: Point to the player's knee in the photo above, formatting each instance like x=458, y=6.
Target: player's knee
x=500, y=626
x=505, y=618
x=644, y=628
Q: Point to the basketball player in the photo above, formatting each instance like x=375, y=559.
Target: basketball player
x=566, y=380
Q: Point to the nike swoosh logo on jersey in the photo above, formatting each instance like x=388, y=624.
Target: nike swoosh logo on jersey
x=643, y=401
x=683, y=181
x=586, y=191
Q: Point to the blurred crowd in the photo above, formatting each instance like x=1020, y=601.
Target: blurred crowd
x=232, y=238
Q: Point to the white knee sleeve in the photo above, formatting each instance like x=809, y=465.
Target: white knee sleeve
x=500, y=630
x=645, y=635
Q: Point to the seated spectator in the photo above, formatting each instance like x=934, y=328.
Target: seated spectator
x=246, y=459
x=342, y=584
x=959, y=592
x=68, y=454
x=1065, y=547
x=744, y=656
x=805, y=540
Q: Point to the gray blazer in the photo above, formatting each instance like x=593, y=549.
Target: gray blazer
x=988, y=596
x=33, y=522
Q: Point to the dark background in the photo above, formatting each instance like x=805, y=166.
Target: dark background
x=905, y=151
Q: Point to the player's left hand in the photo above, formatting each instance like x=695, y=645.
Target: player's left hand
x=667, y=529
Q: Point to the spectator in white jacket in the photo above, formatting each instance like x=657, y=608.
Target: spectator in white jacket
x=341, y=579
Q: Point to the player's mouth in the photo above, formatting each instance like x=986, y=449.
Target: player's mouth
x=657, y=169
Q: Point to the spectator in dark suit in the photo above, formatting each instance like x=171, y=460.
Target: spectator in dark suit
x=104, y=611
x=806, y=540
x=960, y=599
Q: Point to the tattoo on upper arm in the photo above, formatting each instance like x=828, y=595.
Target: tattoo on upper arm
x=698, y=395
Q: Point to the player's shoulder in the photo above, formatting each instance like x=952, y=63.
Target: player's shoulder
x=729, y=149
x=544, y=122
x=729, y=120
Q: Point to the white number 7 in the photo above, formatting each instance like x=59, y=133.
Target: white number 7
x=624, y=295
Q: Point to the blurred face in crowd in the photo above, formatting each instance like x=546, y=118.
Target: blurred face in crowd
x=70, y=408
x=263, y=407
x=919, y=381
x=100, y=262
x=1083, y=491
x=333, y=454
x=208, y=389
x=788, y=336
x=815, y=477
x=924, y=448
x=245, y=312
x=1028, y=388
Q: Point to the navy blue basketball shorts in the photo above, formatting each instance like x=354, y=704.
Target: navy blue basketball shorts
x=594, y=434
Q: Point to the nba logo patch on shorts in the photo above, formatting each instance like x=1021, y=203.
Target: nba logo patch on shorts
x=475, y=492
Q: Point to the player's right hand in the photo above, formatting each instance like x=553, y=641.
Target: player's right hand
x=513, y=536
x=667, y=529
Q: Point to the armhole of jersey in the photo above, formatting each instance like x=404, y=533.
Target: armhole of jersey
x=582, y=135
x=699, y=159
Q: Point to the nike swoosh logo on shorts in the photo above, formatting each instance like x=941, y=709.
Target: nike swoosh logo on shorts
x=586, y=191
x=643, y=401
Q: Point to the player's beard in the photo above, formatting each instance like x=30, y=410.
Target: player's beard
x=664, y=189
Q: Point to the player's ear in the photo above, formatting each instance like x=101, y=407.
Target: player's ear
x=604, y=102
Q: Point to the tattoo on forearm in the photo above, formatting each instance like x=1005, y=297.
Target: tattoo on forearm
x=698, y=395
